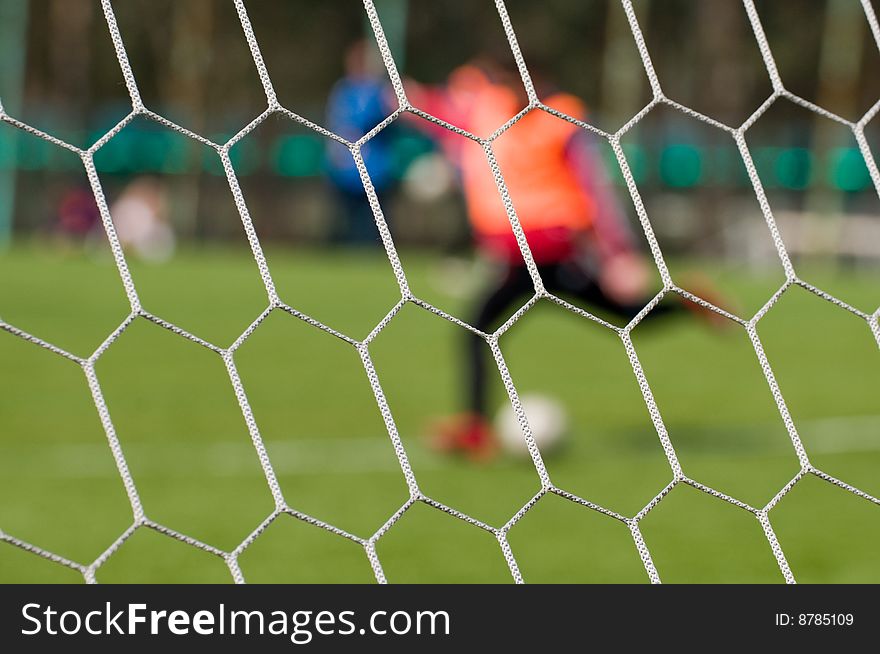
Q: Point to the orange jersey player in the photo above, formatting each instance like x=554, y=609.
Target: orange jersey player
x=577, y=234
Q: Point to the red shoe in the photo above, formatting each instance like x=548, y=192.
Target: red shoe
x=467, y=434
x=703, y=288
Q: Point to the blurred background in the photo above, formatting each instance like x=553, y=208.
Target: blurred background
x=170, y=202
x=192, y=66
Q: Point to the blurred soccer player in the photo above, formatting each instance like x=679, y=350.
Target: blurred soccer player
x=77, y=215
x=579, y=238
x=142, y=220
x=358, y=102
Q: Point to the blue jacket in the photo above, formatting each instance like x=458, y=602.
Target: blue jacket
x=355, y=106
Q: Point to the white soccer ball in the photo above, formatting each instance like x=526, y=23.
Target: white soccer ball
x=548, y=421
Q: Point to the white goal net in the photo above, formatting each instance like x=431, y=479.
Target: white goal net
x=275, y=303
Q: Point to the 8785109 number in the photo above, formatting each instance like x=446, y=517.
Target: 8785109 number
x=815, y=619
x=825, y=619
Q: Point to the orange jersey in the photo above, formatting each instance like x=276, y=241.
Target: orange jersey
x=546, y=193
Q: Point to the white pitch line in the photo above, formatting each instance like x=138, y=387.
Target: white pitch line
x=310, y=456
x=841, y=435
x=369, y=454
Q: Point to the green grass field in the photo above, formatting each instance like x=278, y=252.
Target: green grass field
x=196, y=471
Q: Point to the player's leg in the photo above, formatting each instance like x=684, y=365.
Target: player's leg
x=516, y=285
x=470, y=433
x=575, y=280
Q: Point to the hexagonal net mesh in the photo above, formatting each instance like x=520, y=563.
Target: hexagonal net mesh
x=275, y=303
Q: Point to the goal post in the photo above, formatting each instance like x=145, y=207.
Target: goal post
x=13, y=31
